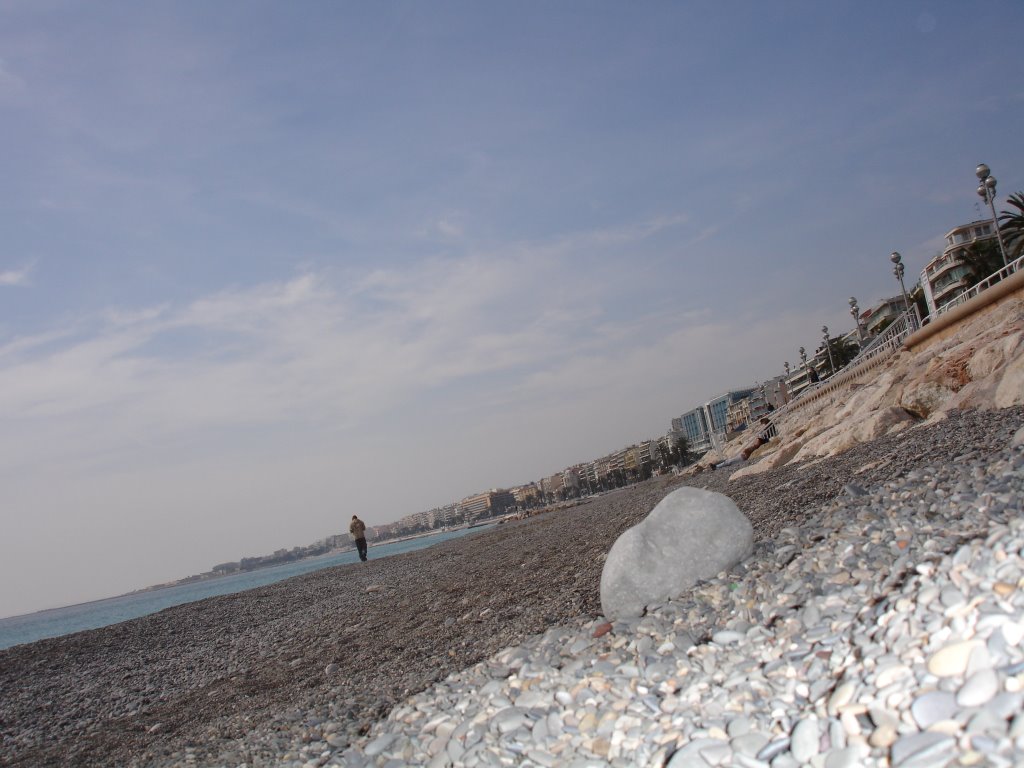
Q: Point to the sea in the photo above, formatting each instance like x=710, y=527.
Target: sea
x=101, y=613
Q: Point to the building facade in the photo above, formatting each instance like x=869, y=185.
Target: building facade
x=947, y=275
x=883, y=313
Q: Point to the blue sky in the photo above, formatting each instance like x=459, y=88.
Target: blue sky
x=268, y=265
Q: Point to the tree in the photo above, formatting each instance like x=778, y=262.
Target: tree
x=843, y=351
x=665, y=456
x=917, y=297
x=684, y=456
x=1012, y=227
x=982, y=258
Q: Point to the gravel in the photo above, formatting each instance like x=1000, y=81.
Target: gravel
x=296, y=671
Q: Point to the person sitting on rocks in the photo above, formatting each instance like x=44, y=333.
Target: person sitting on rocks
x=766, y=433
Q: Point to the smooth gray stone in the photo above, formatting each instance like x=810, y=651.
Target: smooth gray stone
x=738, y=726
x=689, y=755
x=508, y=719
x=749, y=744
x=690, y=535
x=848, y=757
x=929, y=708
x=920, y=748
x=805, y=739
x=773, y=749
x=978, y=689
x=988, y=723
x=1006, y=705
x=379, y=744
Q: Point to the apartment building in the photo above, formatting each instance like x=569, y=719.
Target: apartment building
x=883, y=313
x=698, y=424
x=492, y=502
x=526, y=495
x=694, y=426
x=946, y=276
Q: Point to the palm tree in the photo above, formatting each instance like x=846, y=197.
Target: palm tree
x=843, y=351
x=1012, y=227
x=682, y=451
x=983, y=258
x=917, y=297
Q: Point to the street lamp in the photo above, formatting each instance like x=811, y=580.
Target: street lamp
x=898, y=271
x=828, y=347
x=987, y=191
x=803, y=357
x=855, y=311
x=786, y=366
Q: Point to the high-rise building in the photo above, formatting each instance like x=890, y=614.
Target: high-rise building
x=698, y=424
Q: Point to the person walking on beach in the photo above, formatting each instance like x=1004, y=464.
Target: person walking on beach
x=357, y=529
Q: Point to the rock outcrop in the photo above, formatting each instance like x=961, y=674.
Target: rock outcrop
x=977, y=363
x=690, y=535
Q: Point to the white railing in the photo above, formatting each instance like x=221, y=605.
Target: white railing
x=974, y=290
x=871, y=355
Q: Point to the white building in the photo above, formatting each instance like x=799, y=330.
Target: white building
x=946, y=276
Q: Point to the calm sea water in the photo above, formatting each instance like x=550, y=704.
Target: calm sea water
x=101, y=613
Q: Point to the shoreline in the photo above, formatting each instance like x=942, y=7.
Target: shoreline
x=320, y=658
x=211, y=577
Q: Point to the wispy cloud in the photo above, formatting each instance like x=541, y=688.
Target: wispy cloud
x=17, y=276
x=10, y=83
x=449, y=228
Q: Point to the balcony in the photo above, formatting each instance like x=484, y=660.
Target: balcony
x=948, y=290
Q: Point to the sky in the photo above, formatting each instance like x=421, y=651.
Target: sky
x=268, y=265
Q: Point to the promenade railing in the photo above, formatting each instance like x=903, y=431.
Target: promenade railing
x=977, y=288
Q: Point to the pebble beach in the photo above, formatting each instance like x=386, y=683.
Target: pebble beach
x=879, y=622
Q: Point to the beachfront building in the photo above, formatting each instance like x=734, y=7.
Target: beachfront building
x=713, y=416
x=631, y=462
x=570, y=482
x=526, y=495
x=694, y=425
x=486, y=504
x=551, y=487
x=947, y=275
x=882, y=314
x=589, y=475
x=737, y=415
x=776, y=392
x=441, y=517
x=646, y=458
x=718, y=408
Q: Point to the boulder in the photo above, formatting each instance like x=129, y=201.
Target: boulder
x=690, y=535
x=1010, y=390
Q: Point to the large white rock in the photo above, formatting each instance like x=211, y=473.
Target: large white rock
x=691, y=535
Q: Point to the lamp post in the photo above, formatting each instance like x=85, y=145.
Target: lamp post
x=897, y=270
x=786, y=366
x=828, y=348
x=855, y=311
x=987, y=191
x=803, y=357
